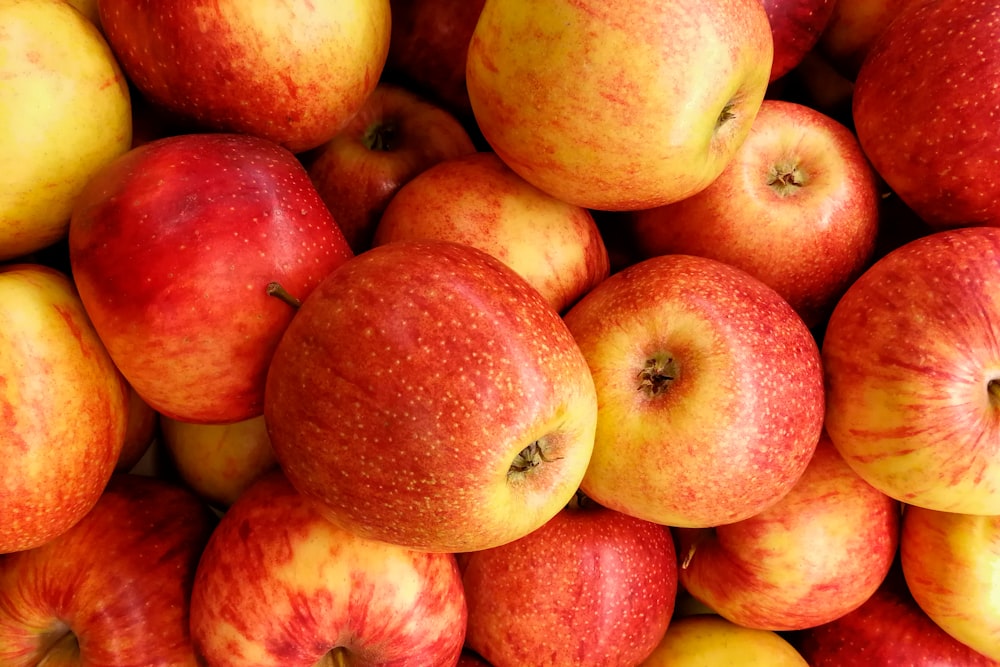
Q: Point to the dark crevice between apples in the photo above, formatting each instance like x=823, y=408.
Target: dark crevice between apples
x=276, y=290
x=657, y=374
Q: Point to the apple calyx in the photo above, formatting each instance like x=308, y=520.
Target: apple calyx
x=276, y=290
x=725, y=115
x=785, y=178
x=657, y=374
x=381, y=136
x=528, y=459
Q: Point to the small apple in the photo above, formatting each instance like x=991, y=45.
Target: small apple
x=393, y=137
x=710, y=391
x=707, y=640
x=173, y=246
x=426, y=395
x=280, y=586
x=796, y=26
x=620, y=106
x=589, y=587
x=478, y=200
x=912, y=369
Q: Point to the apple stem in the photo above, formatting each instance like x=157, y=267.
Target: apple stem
x=275, y=289
x=657, y=374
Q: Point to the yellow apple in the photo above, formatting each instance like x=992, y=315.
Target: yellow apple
x=707, y=640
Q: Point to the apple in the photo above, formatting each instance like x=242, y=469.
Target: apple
x=796, y=26
x=926, y=121
x=280, y=586
x=853, y=29
x=427, y=396
x=589, y=587
x=140, y=431
x=912, y=364
x=393, y=137
x=114, y=588
x=478, y=200
x=218, y=461
x=291, y=72
x=624, y=106
x=710, y=391
x=64, y=407
x=173, y=246
x=703, y=640
x=797, y=208
x=55, y=65
x=89, y=9
x=815, y=555
x=950, y=563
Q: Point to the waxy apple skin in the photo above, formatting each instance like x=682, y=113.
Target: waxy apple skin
x=63, y=406
x=796, y=26
x=172, y=248
x=280, y=586
x=427, y=396
x=911, y=357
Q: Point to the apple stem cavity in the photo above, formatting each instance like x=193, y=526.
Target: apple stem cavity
x=529, y=458
x=276, y=290
x=993, y=387
x=786, y=178
x=657, y=374
x=381, y=136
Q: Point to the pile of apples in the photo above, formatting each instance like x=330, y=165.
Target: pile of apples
x=520, y=333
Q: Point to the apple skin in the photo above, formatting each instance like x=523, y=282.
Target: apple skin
x=280, y=586
x=64, y=407
x=950, y=562
x=817, y=554
x=590, y=587
x=393, y=137
x=734, y=429
x=141, y=430
x=796, y=26
x=852, y=30
x=172, y=247
x=608, y=112
x=706, y=639
x=928, y=133
x=911, y=357
x=452, y=409
x=797, y=207
x=113, y=589
x=478, y=200
x=55, y=64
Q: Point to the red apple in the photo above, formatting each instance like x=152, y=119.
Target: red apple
x=912, y=364
x=478, y=200
x=590, y=587
x=798, y=208
x=112, y=590
x=710, y=391
x=140, y=431
x=427, y=396
x=924, y=111
x=63, y=406
x=173, y=246
x=817, y=554
x=393, y=137
x=280, y=586
x=292, y=72
x=852, y=30
x=795, y=26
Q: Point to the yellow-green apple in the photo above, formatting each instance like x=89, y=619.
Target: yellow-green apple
x=618, y=106
x=478, y=200
x=852, y=30
x=925, y=114
x=912, y=365
x=817, y=554
x=292, y=72
x=797, y=208
x=218, y=461
x=63, y=405
x=601, y=591
x=710, y=391
x=796, y=26
x=140, y=431
x=112, y=590
x=280, y=586
x=707, y=640
x=426, y=395
x=65, y=111
x=173, y=246
x=394, y=136
x=950, y=562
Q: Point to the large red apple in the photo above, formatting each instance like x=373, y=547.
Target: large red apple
x=797, y=207
x=710, y=391
x=280, y=586
x=478, y=200
x=173, y=246
x=911, y=355
x=112, y=590
x=63, y=407
x=924, y=108
x=796, y=26
x=428, y=396
x=619, y=106
x=292, y=72
x=600, y=591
